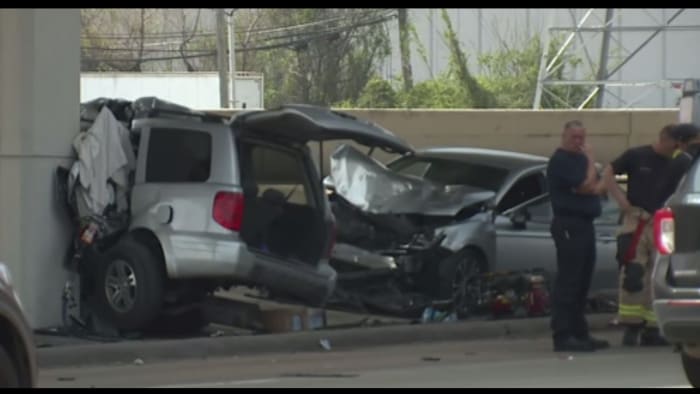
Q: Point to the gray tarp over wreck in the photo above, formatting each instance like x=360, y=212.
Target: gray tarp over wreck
x=372, y=187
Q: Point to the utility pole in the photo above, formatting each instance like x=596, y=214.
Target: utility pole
x=221, y=57
x=405, y=47
x=604, y=54
x=232, y=58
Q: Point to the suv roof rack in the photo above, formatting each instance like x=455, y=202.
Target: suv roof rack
x=151, y=107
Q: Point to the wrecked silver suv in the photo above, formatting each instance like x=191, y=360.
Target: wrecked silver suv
x=170, y=204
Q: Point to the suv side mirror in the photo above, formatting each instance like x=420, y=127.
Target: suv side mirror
x=519, y=218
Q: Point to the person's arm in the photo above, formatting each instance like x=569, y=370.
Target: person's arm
x=590, y=184
x=614, y=189
x=620, y=165
x=568, y=172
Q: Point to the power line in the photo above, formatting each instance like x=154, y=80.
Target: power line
x=301, y=40
x=208, y=54
x=213, y=33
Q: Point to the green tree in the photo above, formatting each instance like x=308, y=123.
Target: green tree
x=145, y=40
x=378, y=93
x=444, y=91
x=478, y=97
x=330, y=57
x=511, y=74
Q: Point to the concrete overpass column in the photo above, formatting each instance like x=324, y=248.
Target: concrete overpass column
x=39, y=116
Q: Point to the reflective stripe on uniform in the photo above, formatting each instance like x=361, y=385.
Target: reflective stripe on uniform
x=637, y=311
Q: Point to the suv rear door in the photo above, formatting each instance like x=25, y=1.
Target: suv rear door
x=305, y=123
x=293, y=126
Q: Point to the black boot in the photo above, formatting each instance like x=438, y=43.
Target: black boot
x=652, y=337
x=631, y=335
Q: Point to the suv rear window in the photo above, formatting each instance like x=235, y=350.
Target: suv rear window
x=177, y=156
x=282, y=171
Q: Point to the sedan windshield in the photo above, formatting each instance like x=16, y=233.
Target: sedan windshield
x=451, y=172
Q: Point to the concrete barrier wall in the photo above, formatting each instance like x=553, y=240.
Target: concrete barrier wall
x=528, y=131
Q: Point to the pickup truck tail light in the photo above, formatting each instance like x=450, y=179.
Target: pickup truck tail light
x=228, y=210
x=664, y=231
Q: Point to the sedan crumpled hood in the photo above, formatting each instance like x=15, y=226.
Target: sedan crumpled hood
x=372, y=187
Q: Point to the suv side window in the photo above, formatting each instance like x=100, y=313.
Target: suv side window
x=525, y=189
x=280, y=170
x=178, y=156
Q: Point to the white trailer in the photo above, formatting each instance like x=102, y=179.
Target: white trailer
x=197, y=90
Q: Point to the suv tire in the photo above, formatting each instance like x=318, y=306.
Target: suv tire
x=691, y=365
x=129, y=286
x=8, y=370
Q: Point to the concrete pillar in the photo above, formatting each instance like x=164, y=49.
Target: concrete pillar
x=39, y=116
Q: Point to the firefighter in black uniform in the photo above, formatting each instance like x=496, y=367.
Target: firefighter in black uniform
x=688, y=137
x=644, y=167
x=574, y=187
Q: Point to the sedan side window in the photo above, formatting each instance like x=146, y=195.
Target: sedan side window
x=541, y=212
x=417, y=169
x=610, y=214
x=525, y=189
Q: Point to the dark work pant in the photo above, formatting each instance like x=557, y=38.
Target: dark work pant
x=574, y=239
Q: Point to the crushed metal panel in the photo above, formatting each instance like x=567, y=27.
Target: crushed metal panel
x=372, y=187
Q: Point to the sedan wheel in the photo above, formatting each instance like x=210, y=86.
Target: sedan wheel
x=460, y=278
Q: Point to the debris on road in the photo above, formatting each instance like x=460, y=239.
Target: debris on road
x=138, y=361
x=431, y=359
x=325, y=344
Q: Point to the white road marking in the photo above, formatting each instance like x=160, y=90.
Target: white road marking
x=672, y=387
x=219, y=384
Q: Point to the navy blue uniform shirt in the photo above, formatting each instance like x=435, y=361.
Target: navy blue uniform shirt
x=644, y=168
x=565, y=172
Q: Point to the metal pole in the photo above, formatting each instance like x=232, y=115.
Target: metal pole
x=568, y=40
x=232, y=57
x=542, y=74
x=664, y=43
x=629, y=29
x=527, y=23
x=642, y=45
x=221, y=57
x=431, y=15
x=479, y=32
x=604, y=51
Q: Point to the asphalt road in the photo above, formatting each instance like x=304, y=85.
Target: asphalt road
x=498, y=363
